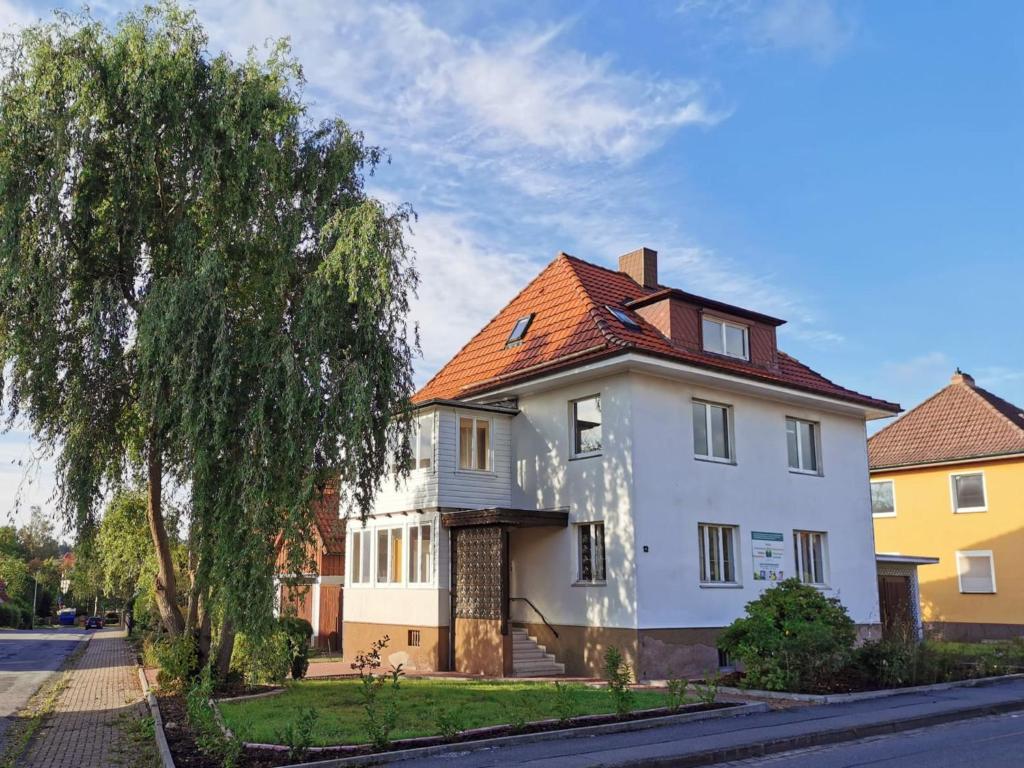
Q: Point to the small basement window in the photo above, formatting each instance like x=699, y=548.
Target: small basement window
x=414, y=638
x=624, y=318
x=519, y=329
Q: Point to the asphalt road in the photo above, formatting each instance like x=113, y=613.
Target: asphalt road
x=991, y=742
x=27, y=659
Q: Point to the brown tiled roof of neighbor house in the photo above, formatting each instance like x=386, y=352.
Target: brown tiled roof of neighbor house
x=572, y=326
x=328, y=521
x=959, y=422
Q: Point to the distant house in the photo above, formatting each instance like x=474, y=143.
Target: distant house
x=611, y=461
x=318, y=596
x=947, y=478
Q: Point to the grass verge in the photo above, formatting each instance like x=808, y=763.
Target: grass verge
x=426, y=708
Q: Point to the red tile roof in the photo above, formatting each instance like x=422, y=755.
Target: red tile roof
x=572, y=326
x=328, y=521
x=960, y=422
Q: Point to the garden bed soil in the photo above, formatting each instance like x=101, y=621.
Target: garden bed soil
x=182, y=739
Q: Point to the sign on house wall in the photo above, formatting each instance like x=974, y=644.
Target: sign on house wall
x=768, y=553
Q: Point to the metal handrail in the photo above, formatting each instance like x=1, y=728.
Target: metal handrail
x=535, y=608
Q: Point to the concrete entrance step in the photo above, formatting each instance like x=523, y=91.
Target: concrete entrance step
x=530, y=659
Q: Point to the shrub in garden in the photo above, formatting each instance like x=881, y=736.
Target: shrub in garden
x=676, y=693
x=793, y=638
x=298, y=633
x=567, y=702
x=379, y=693
x=619, y=676
x=264, y=660
x=298, y=734
x=177, y=660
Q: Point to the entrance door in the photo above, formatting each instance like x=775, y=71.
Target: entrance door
x=894, y=602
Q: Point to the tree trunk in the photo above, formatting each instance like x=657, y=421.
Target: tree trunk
x=166, y=585
x=225, y=648
x=204, y=638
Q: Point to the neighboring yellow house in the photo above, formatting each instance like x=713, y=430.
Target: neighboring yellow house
x=948, y=478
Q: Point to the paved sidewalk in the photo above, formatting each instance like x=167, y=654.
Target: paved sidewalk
x=85, y=728
x=701, y=743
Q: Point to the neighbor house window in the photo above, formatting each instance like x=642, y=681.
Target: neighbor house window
x=976, y=572
x=361, y=542
x=969, y=492
x=717, y=547
x=422, y=442
x=591, y=537
x=711, y=436
x=883, y=501
x=724, y=338
x=811, y=550
x=802, y=445
x=420, y=571
x=389, y=555
x=474, y=443
x=586, y=426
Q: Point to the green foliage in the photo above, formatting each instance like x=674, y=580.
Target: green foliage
x=262, y=659
x=619, y=677
x=15, y=575
x=676, y=693
x=15, y=616
x=125, y=546
x=202, y=717
x=567, y=704
x=899, y=663
x=195, y=284
x=379, y=693
x=298, y=734
x=177, y=661
x=450, y=722
x=707, y=689
x=793, y=638
x=298, y=633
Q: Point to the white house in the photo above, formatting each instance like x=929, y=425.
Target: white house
x=612, y=462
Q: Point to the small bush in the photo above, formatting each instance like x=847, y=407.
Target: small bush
x=210, y=739
x=793, y=638
x=298, y=734
x=567, y=702
x=177, y=661
x=262, y=660
x=450, y=723
x=707, y=689
x=619, y=677
x=379, y=692
x=298, y=633
x=676, y=693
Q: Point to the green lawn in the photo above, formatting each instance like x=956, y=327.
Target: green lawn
x=476, y=704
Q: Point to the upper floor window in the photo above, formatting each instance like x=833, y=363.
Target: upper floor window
x=474, y=443
x=389, y=555
x=725, y=338
x=422, y=442
x=811, y=548
x=591, y=564
x=420, y=562
x=361, y=542
x=717, y=547
x=883, y=500
x=969, y=492
x=586, y=426
x=711, y=431
x=976, y=571
x=519, y=329
x=802, y=445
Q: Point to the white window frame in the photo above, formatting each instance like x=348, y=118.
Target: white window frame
x=975, y=553
x=592, y=525
x=473, y=448
x=885, y=514
x=730, y=441
x=798, y=556
x=573, y=453
x=726, y=324
x=367, y=557
x=816, y=436
x=376, y=556
x=416, y=529
x=704, y=554
x=419, y=422
x=958, y=510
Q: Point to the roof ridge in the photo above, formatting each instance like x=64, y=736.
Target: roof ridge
x=561, y=255
x=985, y=399
x=907, y=413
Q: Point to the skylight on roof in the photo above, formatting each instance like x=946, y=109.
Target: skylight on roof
x=623, y=318
x=519, y=329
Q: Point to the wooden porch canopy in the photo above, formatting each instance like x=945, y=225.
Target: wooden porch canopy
x=505, y=517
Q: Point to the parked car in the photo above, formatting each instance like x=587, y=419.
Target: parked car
x=112, y=617
x=94, y=622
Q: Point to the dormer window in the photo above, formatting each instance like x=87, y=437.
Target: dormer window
x=519, y=329
x=725, y=338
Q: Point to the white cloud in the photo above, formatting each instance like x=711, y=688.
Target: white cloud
x=13, y=16
x=920, y=370
x=26, y=478
x=818, y=27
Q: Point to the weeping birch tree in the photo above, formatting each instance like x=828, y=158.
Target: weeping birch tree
x=196, y=287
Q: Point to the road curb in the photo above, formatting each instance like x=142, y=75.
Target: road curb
x=824, y=738
x=166, y=759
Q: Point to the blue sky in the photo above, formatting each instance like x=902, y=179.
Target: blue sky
x=855, y=168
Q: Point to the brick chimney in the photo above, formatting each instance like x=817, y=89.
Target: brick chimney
x=642, y=266
x=959, y=377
